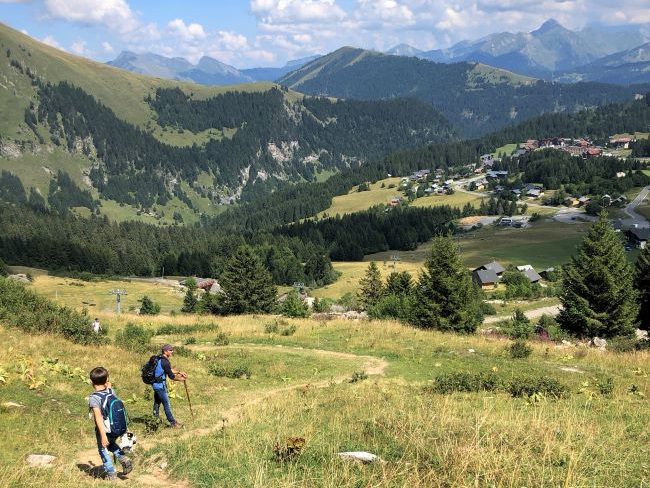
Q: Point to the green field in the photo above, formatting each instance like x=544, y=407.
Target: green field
x=300, y=386
x=507, y=149
x=458, y=199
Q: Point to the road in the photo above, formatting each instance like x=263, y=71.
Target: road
x=536, y=313
x=635, y=218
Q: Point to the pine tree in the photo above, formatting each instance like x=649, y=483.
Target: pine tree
x=598, y=297
x=399, y=284
x=445, y=297
x=371, y=288
x=190, y=301
x=642, y=285
x=4, y=271
x=247, y=285
x=149, y=307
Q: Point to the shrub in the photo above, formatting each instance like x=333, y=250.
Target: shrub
x=521, y=326
x=293, y=306
x=488, y=309
x=222, y=339
x=527, y=386
x=148, y=306
x=237, y=370
x=4, y=271
x=288, y=331
x=622, y=344
x=271, y=327
x=24, y=309
x=190, y=340
x=464, y=382
x=322, y=305
x=606, y=386
x=170, y=329
x=134, y=338
x=519, y=350
x=358, y=376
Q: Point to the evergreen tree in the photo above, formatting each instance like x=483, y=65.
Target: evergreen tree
x=149, y=307
x=598, y=297
x=247, y=285
x=4, y=271
x=445, y=297
x=399, y=284
x=371, y=288
x=190, y=301
x=293, y=306
x=642, y=285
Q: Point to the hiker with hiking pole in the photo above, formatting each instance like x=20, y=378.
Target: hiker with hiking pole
x=155, y=373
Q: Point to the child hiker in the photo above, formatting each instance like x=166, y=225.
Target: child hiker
x=110, y=422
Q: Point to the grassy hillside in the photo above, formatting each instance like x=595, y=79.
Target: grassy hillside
x=300, y=386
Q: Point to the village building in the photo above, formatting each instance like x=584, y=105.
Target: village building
x=638, y=237
x=485, y=278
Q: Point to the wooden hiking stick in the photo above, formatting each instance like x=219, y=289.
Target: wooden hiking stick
x=187, y=393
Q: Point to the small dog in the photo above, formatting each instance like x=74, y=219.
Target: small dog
x=127, y=441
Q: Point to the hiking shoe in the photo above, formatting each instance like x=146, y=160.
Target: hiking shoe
x=176, y=425
x=127, y=465
x=111, y=476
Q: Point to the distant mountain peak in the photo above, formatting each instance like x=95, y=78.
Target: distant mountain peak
x=549, y=25
x=404, y=50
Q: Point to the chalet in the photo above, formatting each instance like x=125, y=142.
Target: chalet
x=548, y=274
x=535, y=193
x=487, y=159
x=497, y=174
x=531, y=274
x=573, y=150
x=583, y=143
x=480, y=185
x=552, y=142
x=571, y=202
x=493, y=266
x=516, y=193
x=621, y=142
x=485, y=278
x=394, y=202
x=582, y=201
x=620, y=200
x=638, y=237
x=530, y=145
x=593, y=152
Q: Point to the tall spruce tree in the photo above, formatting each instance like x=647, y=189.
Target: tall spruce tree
x=598, y=297
x=371, y=288
x=247, y=285
x=445, y=296
x=642, y=285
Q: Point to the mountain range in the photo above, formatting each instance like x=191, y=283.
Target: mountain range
x=553, y=52
x=208, y=71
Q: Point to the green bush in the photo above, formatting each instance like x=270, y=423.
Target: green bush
x=527, y=386
x=464, y=382
x=488, y=309
x=271, y=327
x=190, y=340
x=4, y=271
x=223, y=370
x=622, y=344
x=25, y=310
x=134, y=338
x=358, y=376
x=519, y=350
x=288, y=331
x=222, y=339
x=148, y=306
x=293, y=306
x=322, y=305
x=606, y=386
x=170, y=329
x=521, y=327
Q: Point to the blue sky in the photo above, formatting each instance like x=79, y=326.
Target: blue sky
x=247, y=33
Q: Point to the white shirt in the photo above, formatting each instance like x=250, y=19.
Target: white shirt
x=96, y=326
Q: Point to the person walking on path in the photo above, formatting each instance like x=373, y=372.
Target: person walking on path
x=160, y=395
x=106, y=442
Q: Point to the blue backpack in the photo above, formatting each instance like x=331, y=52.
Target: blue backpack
x=113, y=412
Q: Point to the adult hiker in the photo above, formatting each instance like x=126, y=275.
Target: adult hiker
x=163, y=371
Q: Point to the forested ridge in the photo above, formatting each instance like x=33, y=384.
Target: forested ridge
x=474, y=102
x=136, y=168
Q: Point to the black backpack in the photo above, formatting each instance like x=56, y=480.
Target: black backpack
x=113, y=412
x=149, y=371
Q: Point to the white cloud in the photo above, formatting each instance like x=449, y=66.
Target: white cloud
x=191, y=32
x=106, y=46
x=232, y=41
x=273, y=12
x=114, y=14
x=50, y=41
x=79, y=48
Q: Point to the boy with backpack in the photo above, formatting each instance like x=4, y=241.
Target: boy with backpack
x=110, y=419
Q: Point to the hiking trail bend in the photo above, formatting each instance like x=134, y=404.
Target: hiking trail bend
x=154, y=475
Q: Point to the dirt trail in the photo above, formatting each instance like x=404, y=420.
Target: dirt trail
x=154, y=475
x=552, y=310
